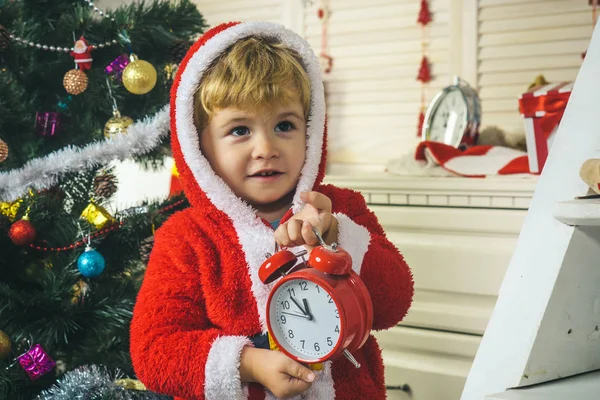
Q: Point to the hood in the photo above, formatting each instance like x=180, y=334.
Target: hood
x=200, y=183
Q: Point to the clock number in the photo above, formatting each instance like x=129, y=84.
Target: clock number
x=291, y=334
x=283, y=320
x=303, y=344
x=303, y=285
x=291, y=292
x=337, y=313
x=329, y=342
x=318, y=288
x=317, y=348
x=337, y=328
x=330, y=299
x=286, y=304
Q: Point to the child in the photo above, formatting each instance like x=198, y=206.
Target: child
x=248, y=137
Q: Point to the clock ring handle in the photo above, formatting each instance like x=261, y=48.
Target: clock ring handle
x=351, y=358
x=333, y=246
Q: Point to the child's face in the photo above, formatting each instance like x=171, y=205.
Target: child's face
x=259, y=155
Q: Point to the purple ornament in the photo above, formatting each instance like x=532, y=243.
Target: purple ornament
x=117, y=66
x=36, y=362
x=47, y=123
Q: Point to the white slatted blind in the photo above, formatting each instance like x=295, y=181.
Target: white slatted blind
x=520, y=39
x=219, y=11
x=372, y=94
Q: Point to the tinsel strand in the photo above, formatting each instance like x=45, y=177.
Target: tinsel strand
x=44, y=172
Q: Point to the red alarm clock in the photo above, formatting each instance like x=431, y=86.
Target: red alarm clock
x=320, y=309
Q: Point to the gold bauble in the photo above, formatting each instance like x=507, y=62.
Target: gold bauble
x=5, y=346
x=3, y=150
x=117, y=124
x=139, y=76
x=75, y=81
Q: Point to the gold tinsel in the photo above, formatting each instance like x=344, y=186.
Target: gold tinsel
x=130, y=384
x=80, y=289
x=75, y=81
x=139, y=76
x=97, y=215
x=3, y=150
x=5, y=346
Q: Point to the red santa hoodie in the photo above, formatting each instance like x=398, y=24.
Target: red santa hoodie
x=202, y=299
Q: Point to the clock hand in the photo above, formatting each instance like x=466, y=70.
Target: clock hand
x=296, y=315
x=299, y=306
x=310, y=316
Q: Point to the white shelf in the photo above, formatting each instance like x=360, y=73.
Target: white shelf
x=580, y=387
x=387, y=189
x=578, y=212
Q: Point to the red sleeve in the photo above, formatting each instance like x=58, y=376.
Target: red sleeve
x=380, y=264
x=174, y=349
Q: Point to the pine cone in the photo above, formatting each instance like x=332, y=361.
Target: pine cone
x=105, y=185
x=4, y=38
x=178, y=49
x=145, y=248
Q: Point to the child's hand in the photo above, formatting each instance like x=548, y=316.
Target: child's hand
x=277, y=372
x=315, y=214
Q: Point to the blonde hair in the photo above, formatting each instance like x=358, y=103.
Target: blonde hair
x=251, y=74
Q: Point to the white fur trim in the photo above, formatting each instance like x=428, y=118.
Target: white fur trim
x=321, y=389
x=255, y=238
x=44, y=172
x=354, y=238
x=222, y=370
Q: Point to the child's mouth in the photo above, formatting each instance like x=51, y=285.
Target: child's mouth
x=266, y=175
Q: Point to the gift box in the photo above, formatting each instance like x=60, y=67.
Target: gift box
x=542, y=108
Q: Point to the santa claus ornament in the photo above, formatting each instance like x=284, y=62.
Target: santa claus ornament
x=320, y=309
x=82, y=53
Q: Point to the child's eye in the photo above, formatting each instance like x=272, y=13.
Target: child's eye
x=284, y=126
x=240, y=131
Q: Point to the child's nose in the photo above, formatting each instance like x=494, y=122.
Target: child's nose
x=264, y=146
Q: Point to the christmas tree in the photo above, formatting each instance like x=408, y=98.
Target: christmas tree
x=81, y=87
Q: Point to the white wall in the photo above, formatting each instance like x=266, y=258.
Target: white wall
x=373, y=98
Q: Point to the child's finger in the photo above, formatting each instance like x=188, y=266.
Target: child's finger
x=281, y=236
x=299, y=371
x=294, y=230
x=317, y=200
x=308, y=234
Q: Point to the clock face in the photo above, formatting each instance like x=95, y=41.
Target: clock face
x=449, y=120
x=304, y=319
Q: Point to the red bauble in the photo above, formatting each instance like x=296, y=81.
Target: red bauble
x=424, y=72
x=424, y=14
x=22, y=233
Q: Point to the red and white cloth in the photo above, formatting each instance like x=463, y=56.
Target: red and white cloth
x=476, y=161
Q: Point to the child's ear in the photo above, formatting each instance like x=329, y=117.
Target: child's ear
x=590, y=173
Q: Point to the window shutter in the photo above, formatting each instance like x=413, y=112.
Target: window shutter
x=219, y=11
x=520, y=39
x=373, y=97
